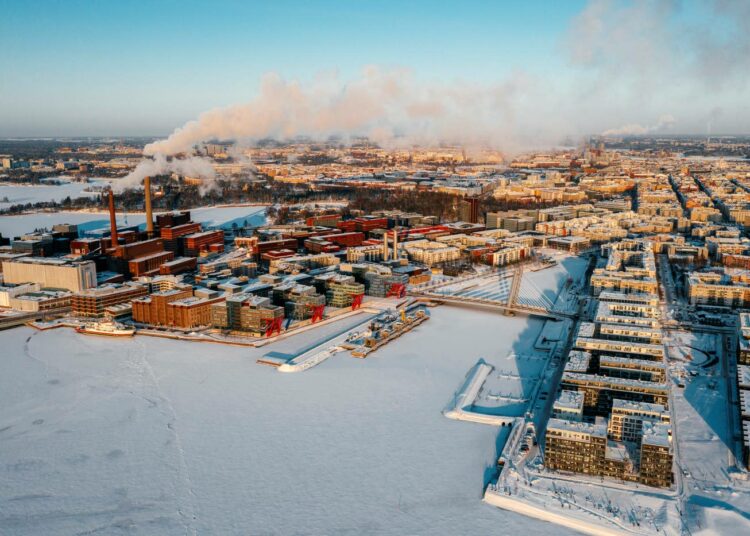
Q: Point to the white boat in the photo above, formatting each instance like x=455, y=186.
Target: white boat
x=112, y=329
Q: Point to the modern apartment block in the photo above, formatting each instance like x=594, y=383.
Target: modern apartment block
x=245, y=313
x=611, y=418
x=627, y=419
x=631, y=267
x=569, y=406
x=743, y=389
x=743, y=339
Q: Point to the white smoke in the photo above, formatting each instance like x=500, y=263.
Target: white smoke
x=665, y=122
x=160, y=165
x=389, y=107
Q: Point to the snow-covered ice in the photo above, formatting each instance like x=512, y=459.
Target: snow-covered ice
x=156, y=436
x=21, y=194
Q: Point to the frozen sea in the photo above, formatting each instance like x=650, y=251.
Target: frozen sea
x=155, y=436
x=20, y=194
x=221, y=216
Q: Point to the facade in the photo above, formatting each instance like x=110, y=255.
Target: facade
x=716, y=289
x=743, y=339
x=93, y=302
x=50, y=273
x=578, y=447
x=196, y=243
x=431, y=253
x=341, y=291
x=191, y=312
x=655, y=468
x=245, y=313
x=153, y=309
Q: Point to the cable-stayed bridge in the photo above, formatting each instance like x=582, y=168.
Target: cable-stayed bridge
x=506, y=291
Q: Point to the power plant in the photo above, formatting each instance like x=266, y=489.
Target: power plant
x=170, y=244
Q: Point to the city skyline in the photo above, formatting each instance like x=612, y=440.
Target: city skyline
x=542, y=71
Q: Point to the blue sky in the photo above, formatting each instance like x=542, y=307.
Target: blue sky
x=146, y=67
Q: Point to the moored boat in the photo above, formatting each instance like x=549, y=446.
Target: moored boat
x=112, y=329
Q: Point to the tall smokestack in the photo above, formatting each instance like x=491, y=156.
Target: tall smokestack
x=385, y=246
x=149, y=213
x=395, y=244
x=112, y=219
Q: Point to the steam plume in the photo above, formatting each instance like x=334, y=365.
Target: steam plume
x=191, y=166
x=389, y=107
x=634, y=129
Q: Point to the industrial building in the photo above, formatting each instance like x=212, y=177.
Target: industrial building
x=56, y=273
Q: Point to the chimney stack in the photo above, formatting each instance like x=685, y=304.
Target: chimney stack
x=149, y=213
x=112, y=219
x=385, y=246
x=395, y=244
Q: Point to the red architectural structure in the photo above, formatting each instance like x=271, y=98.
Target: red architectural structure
x=273, y=325
x=397, y=290
x=357, y=301
x=317, y=313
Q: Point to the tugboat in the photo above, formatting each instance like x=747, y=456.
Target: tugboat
x=112, y=329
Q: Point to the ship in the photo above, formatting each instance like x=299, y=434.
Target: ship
x=112, y=329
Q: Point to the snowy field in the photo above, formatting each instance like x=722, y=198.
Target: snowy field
x=20, y=194
x=155, y=436
x=209, y=216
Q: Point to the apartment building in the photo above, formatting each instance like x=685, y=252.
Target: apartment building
x=743, y=339
x=627, y=419
x=568, y=406
x=582, y=447
x=656, y=457
x=431, y=253
x=245, y=313
x=153, y=309
x=341, y=290
x=711, y=288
